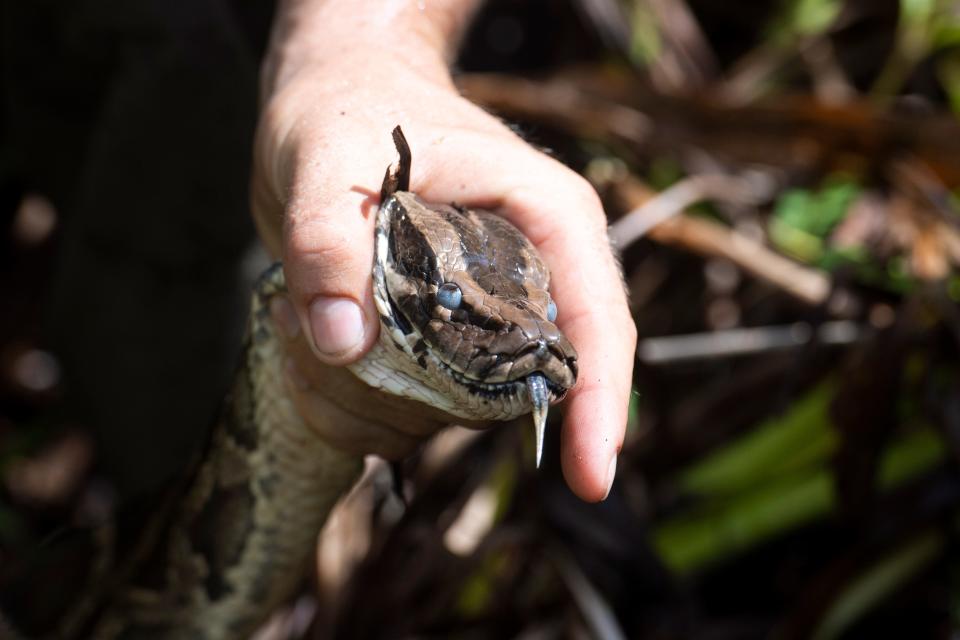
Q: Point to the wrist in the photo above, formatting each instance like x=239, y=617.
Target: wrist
x=421, y=35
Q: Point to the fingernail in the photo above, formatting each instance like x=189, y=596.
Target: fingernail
x=296, y=377
x=611, y=474
x=337, y=325
x=284, y=317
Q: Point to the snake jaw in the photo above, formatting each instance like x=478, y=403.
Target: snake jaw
x=540, y=399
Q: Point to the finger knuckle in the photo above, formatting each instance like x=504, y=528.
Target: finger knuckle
x=586, y=194
x=326, y=258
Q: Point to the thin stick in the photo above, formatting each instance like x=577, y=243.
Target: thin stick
x=709, y=238
x=745, y=341
x=687, y=192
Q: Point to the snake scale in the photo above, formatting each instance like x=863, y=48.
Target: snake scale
x=467, y=328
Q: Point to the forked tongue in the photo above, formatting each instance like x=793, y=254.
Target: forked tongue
x=537, y=387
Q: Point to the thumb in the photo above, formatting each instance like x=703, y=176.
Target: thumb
x=328, y=255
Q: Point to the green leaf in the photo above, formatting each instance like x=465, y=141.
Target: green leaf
x=917, y=11
x=720, y=527
x=803, y=218
x=946, y=33
x=879, y=581
x=663, y=172
x=811, y=17
x=768, y=449
x=645, y=43
x=836, y=257
x=801, y=18
x=633, y=412
x=953, y=288
x=948, y=71
x=794, y=241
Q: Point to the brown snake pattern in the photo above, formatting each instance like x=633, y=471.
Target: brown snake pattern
x=466, y=327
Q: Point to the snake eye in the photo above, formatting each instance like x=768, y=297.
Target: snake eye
x=551, y=311
x=449, y=296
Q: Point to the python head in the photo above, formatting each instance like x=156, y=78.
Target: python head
x=467, y=321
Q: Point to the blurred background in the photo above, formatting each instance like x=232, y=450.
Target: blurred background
x=782, y=180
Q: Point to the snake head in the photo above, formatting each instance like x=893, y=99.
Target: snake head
x=467, y=321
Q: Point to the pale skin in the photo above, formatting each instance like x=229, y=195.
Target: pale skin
x=339, y=76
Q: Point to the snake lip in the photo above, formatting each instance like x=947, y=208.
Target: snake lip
x=509, y=387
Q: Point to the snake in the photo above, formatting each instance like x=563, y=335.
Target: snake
x=467, y=329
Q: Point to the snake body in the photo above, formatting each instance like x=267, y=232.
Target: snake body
x=241, y=538
x=243, y=534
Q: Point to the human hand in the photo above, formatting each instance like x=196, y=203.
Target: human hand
x=322, y=146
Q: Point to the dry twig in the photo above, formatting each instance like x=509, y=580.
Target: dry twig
x=745, y=191
x=745, y=341
x=712, y=239
x=790, y=133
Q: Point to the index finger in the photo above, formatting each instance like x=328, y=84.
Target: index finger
x=593, y=313
x=562, y=215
